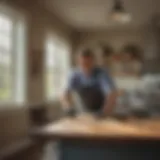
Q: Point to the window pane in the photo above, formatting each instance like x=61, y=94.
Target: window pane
x=5, y=25
x=5, y=83
x=54, y=83
x=12, y=50
x=56, y=67
x=49, y=84
x=5, y=59
x=50, y=58
x=5, y=42
x=5, y=32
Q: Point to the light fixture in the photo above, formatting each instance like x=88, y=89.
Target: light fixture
x=118, y=13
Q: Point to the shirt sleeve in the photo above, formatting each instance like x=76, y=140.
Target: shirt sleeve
x=107, y=83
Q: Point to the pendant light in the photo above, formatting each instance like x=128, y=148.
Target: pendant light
x=118, y=12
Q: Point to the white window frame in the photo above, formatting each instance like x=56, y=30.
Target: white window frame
x=19, y=57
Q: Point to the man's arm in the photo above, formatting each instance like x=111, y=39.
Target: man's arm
x=66, y=99
x=110, y=102
x=110, y=91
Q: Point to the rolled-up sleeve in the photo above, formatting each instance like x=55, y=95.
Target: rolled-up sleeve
x=107, y=83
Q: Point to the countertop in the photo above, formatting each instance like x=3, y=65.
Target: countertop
x=89, y=127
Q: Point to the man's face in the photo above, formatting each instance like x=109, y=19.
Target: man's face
x=86, y=62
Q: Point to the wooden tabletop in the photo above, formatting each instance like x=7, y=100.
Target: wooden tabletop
x=87, y=126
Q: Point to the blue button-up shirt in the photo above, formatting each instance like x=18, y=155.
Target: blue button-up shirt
x=78, y=79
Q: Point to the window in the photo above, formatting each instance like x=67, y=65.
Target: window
x=57, y=64
x=11, y=57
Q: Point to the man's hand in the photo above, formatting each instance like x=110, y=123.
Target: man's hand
x=67, y=103
x=110, y=103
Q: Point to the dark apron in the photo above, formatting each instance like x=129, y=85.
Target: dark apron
x=92, y=97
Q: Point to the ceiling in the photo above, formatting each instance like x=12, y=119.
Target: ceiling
x=93, y=14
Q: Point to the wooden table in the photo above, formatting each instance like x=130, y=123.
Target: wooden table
x=86, y=137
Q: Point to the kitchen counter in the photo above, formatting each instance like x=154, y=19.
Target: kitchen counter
x=87, y=126
x=86, y=137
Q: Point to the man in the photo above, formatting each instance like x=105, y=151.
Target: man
x=93, y=85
